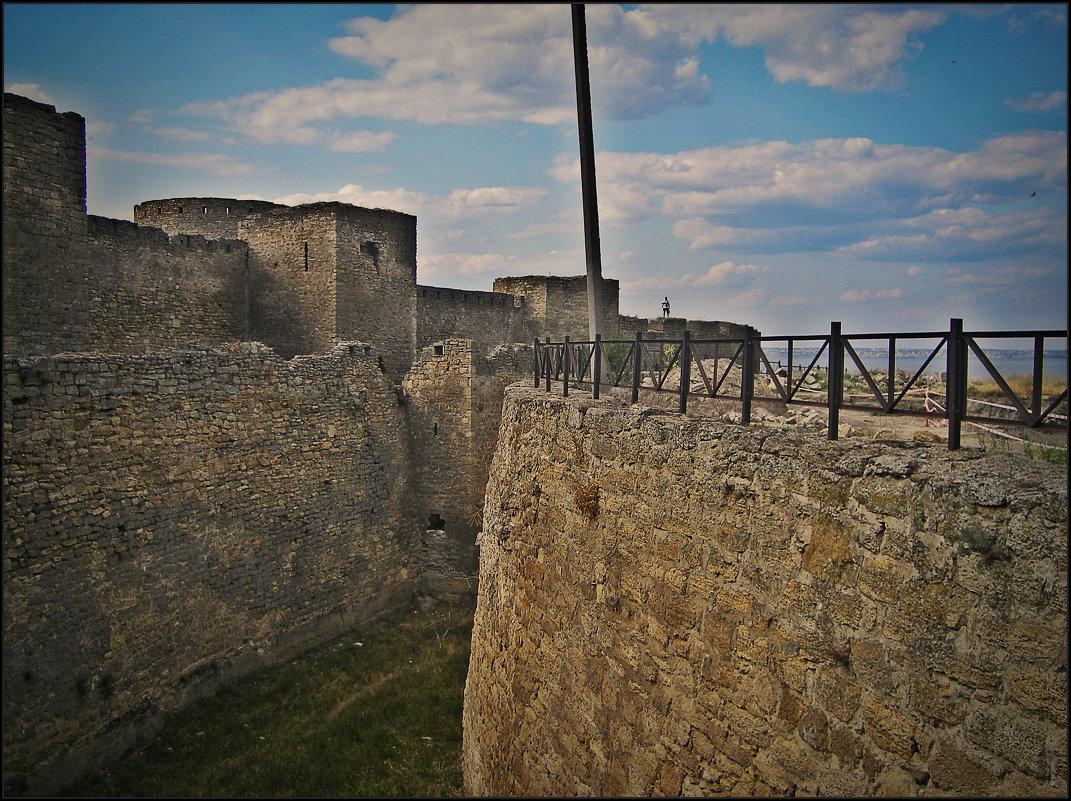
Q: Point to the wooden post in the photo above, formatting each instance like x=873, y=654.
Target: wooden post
x=596, y=367
x=686, y=370
x=637, y=357
x=956, y=388
x=835, y=384
x=747, y=376
x=565, y=368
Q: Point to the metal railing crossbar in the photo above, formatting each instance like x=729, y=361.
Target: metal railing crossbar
x=577, y=363
x=1008, y=392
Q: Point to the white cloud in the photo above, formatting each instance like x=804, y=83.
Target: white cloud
x=33, y=91
x=745, y=300
x=846, y=48
x=94, y=129
x=362, y=141
x=1038, y=102
x=181, y=134
x=207, y=162
x=463, y=203
x=464, y=64
x=400, y=199
x=864, y=295
x=852, y=196
x=728, y=273
x=483, y=204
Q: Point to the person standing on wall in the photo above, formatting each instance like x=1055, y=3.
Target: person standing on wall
x=665, y=307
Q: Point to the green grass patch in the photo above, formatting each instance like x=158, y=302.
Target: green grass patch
x=377, y=713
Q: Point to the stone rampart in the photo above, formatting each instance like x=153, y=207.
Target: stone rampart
x=670, y=605
x=176, y=519
x=454, y=402
x=212, y=217
x=74, y=282
x=488, y=318
x=558, y=306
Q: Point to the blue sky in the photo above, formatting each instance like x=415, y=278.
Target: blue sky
x=889, y=166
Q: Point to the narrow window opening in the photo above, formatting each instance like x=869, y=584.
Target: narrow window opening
x=227, y=210
x=436, y=523
x=306, y=257
x=204, y=209
x=438, y=350
x=180, y=209
x=371, y=250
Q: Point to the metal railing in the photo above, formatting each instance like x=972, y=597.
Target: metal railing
x=647, y=364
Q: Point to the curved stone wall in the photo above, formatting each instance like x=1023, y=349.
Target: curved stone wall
x=670, y=605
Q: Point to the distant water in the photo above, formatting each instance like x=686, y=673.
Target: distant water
x=1054, y=366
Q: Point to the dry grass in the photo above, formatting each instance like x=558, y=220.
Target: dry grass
x=376, y=714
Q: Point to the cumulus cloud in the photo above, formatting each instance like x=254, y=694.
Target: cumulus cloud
x=852, y=196
x=1038, y=102
x=490, y=199
x=482, y=204
x=964, y=234
x=94, y=129
x=863, y=295
x=728, y=273
x=214, y=163
x=466, y=64
x=33, y=91
x=362, y=141
x=181, y=134
x=396, y=199
x=845, y=48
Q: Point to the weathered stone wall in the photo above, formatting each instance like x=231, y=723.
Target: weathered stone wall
x=211, y=217
x=489, y=318
x=376, y=253
x=78, y=283
x=44, y=214
x=149, y=291
x=669, y=605
x=176, y=519
x=293, y=287
x=558, y=307
x=454, y=401
x=319, y=273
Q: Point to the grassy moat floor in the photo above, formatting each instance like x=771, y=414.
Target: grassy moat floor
x=377, y=713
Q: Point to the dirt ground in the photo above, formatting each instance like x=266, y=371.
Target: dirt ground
x=874, y=425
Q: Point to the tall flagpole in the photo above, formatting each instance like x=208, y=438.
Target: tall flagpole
x=592, y=250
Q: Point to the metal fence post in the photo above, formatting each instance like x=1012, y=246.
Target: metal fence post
x=636, y=364
x=747, y=376
x=546, y=363
x=956, y=388
x=686, y=370
x=835, y=380
x=1039, y=374
x=596, y=367
x=565, y=368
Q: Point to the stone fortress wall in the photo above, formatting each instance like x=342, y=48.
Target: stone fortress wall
x=674, y=606
x=175, y=519
x=231, y=430
x=139, y=522
x=75, y=282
